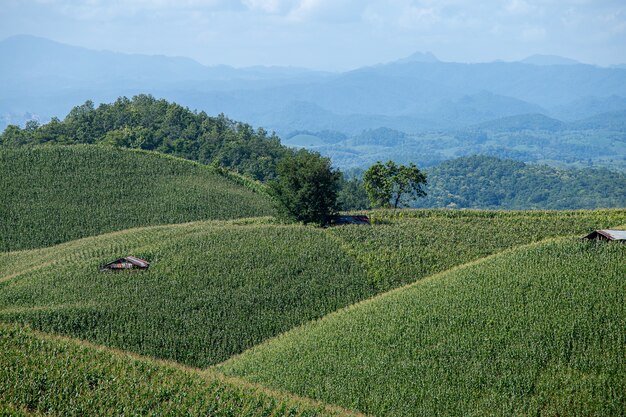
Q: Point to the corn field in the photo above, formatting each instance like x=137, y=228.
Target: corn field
x=60, y=193
x=538, y=330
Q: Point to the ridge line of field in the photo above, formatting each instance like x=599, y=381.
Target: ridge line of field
x=19, y=310
x=385, y=294
x=216, y=224
x=203, y=373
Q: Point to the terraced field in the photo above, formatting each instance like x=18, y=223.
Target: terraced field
x=427, y=312
x=54, y=194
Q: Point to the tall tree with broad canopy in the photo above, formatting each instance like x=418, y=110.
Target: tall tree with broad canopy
x=306, y=188
x=392, y=185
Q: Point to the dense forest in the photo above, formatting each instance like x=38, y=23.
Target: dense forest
x=489, y=182
x=144, y=122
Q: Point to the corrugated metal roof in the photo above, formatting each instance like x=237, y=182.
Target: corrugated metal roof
x=614, y=234
x=137, y=262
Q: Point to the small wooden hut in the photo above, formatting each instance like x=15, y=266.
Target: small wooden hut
x=128, y=262
x=618, y=235
x=340, y=220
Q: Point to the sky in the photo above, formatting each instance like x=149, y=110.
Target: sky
x=331, y=35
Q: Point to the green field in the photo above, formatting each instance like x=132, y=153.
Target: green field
x=538, y=330
x=426, y=312
x=217, y=288
x=406, y=245
x=47, y=375
x=55, y=194
x=213, y=289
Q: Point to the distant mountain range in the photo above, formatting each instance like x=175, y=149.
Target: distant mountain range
x=40, y=79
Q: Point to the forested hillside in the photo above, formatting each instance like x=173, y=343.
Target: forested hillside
x=144, y=122
x=488, y=182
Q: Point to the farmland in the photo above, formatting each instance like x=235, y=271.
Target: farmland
x=411, y=244
x=218, y=288
x=537, y=330
x=426, y=312
x=55, y=194
x=212, y=291
x=49, y=375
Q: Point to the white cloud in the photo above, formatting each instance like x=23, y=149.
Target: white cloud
x=533, y=34
x=520, y=7
x=271, y=6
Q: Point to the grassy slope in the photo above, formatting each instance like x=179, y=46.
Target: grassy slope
x=537, y=330
x=216, y=288
x=213, y=290
x=407, y=245
x=55, y=194
x=41, y=374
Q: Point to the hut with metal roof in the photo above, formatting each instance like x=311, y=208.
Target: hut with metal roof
x=606, y=234
x=341, y=220
x=128, y=262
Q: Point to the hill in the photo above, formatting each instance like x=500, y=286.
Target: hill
x=41, y=78
x=537, y=330
x=215, y=289
x=539, y=59
x=488, y=182
x=54, y=194
x=42, y=374
x=144, y=122
x=533, y=121
x=212, y=290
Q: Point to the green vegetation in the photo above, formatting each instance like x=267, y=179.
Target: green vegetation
x=54, y=194
x=597, y=142
x=213, y=289
x=406, y=245
x=306, y=188
x=470, y=340
x=538, y=330
x=487, y=182
x=391, y=185
x=53, y=376
x=144, y=122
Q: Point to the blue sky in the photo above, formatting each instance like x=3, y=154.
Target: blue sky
x=329, y=34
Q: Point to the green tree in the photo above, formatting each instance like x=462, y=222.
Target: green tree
x=352, y=194
x=392, y=185
x=306, y=188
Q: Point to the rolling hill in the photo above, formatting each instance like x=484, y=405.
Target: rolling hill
x=537, y=330
x=215, y=289
x=49, y=375
x=255, y=296
x=56, y=194
x=41, y=78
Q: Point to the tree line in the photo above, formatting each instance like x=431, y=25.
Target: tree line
x=303, y=183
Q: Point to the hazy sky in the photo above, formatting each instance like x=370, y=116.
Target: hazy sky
x=329, y=34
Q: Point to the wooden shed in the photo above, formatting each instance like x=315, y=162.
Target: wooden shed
x=128, y=262
x=339, y=220
x=618, y=235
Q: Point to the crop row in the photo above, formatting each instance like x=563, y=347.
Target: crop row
x=56, y=194
x=42, y=375
x=538, y=330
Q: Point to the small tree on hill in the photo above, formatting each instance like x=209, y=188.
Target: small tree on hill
x=306, y=188
x=391, y=185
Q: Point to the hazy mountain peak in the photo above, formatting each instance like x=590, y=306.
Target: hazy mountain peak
x=539, y=59
x=419, y=57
